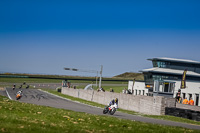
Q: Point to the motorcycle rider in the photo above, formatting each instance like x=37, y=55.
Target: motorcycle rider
x=112, y=107
x=19, y=93
x=113, y=102
x=14, y=86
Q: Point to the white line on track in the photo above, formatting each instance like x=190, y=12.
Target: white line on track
x=8, y=95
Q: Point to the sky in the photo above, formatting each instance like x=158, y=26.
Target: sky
x=44, y=36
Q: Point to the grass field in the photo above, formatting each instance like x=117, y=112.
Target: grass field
x=29, y=80
x=33, y=80
x=23, y=117
x=62, y=77
x=36, y=80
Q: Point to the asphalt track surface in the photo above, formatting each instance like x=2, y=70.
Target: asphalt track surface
x=39, y=97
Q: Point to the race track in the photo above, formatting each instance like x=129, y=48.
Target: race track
x=39, y=97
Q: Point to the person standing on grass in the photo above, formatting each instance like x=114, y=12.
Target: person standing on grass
x=124, y=90
x=111, y=90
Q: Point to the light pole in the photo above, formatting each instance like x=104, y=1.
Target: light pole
x=90, y=71
x=100, y=76
x=96, y=78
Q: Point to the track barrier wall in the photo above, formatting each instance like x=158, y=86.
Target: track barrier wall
x=156, y=105
x=142, y=104
x=181, y=110
x=184, y=113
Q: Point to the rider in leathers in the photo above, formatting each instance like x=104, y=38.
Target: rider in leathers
x=113, y=102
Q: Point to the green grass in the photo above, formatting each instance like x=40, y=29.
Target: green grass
x=137, y=76
x=28, y=80
x=8, y=81
x=163, y=117
x=120, y=80
x=173, y=118
x=24, y=117
x=37, y=80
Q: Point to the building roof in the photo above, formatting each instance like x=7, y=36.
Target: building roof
x=170, y=71
x=175, y=60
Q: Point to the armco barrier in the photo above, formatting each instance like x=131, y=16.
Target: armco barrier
x=138, y=103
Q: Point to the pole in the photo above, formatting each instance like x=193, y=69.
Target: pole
x=96, y=78
x=100, y=76
x=133, y=85
x=91, y=71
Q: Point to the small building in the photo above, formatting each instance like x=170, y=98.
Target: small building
x=164, y=79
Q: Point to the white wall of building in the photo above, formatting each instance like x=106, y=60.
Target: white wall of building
x=130, y=85
x=138, y=87
x=192, y=88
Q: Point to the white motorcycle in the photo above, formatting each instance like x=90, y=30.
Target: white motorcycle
x=110, y=109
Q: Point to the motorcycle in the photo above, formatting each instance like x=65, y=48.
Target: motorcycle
x=18, y=96
x=110, y=109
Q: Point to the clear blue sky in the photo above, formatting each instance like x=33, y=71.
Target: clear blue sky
x=44, y=36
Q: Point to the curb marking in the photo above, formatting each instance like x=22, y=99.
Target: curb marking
x=8, y=95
